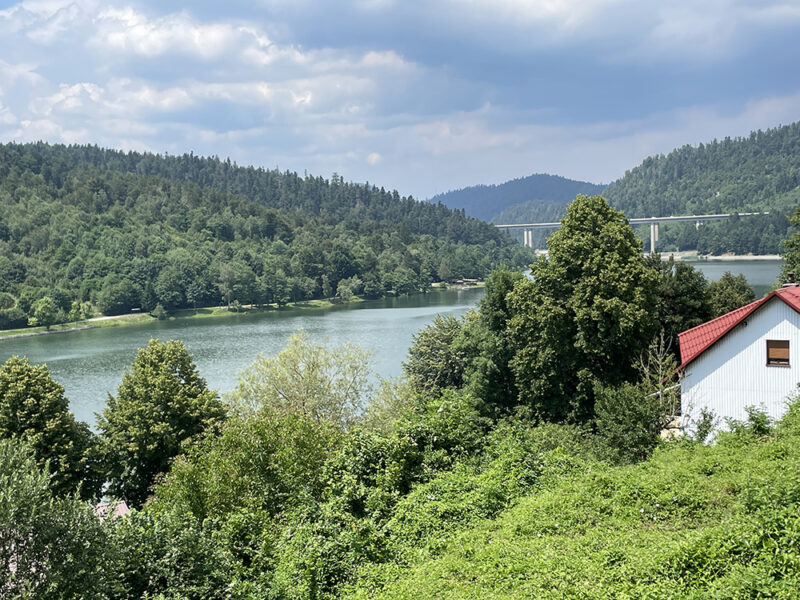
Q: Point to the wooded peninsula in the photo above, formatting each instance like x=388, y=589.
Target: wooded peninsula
x=85, y=230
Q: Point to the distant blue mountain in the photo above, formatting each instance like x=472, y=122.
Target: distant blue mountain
x=534, y=194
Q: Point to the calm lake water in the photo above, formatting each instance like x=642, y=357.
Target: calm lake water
x=89, y=364
x=761, y=274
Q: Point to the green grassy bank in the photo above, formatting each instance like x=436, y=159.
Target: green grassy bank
x=190, y=313
x=187, y=313
x=692, y=522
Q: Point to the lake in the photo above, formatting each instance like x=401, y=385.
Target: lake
x=761, y=274
x=89, y=364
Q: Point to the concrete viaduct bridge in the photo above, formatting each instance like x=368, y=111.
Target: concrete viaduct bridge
x=527, y=228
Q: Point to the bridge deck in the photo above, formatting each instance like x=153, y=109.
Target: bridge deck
x=638, y=221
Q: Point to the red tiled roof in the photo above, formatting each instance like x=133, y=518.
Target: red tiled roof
x=697, y=340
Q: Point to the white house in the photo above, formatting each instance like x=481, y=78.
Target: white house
x=748, y=357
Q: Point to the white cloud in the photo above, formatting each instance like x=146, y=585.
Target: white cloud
x=120, y=97
x=632, y=31
x=46, y=129
x=376, y=104
x=130, y=31
x=6, y=116
x=13, y=73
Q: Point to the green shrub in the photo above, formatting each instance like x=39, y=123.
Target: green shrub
x=629, y=421
x=267, y=462
x=58, y=547
x=171, y=554
x=692, y=522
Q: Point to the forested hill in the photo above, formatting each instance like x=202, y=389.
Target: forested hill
x=755, y=173
x=85, y=229
x=334, y=200
x=539, y=193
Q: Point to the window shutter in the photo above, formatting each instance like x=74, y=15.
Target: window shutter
x=777, y=352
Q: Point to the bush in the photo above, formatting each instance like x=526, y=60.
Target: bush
x=267, y=462
x=629, y=421
x=13, y=318
x=171, y=554
x=159, y=313
x=58, y=547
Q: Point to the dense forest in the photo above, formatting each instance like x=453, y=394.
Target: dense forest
x=760, y=172
x=519, y=457
x=757, y=173
x=542, y=191
x=83, y=228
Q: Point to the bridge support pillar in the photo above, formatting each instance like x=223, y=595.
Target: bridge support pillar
x=527, y=238
x=653, y=236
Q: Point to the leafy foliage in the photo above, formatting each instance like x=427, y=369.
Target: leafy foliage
x=683, y=299
x=268, y=462
x=322, y=384
x=433, y=364
x=50, y=547
x=585, y=314
x=33, y=408
x=728, y=293
x=692, y=522
x=160, y=403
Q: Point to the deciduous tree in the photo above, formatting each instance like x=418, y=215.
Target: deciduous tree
x=161, y=402
x=585, y=315
x=729, y=292
x=320, y=383
x=33, y=408
x=50, y=547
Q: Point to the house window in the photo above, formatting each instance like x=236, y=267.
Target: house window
x=778, y=352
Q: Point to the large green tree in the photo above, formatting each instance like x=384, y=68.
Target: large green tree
x=485, y=339
x=683, y=300
x=33, y=408
x=433, y=364
x=161, y=402
x=585, y=315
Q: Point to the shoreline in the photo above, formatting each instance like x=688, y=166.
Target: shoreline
x=137, y=318
x=690, y=256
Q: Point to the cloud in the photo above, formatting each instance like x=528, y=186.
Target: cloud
x=127, y=30
x=13, y=73
x=419, y=96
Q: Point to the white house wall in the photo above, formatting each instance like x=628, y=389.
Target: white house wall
x=733, y=373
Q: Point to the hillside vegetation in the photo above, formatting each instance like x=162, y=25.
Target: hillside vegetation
x=694, y=521
x=760, y=172
x=520, y=457
x=83, y=228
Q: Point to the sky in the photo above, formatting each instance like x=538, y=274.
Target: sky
x=418, y=96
